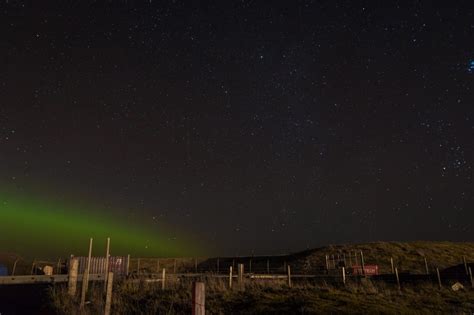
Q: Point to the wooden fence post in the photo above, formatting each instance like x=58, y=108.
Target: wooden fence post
x=288, y=270
x=465, y=265
x=230, y=277
x=470, y=278
x=241, y=274
x=426, y=266
x=14, y=266
x=33, y=266
x=108, y=296
x=107, y=250
x=327, y=262
x=72, y=276
x=439, y=277
x=163, y=279
x=392, y=265
x=344, y=275
x=398, y=279
x=362, y=262
x=128, y=264
x=85, y=279
x=199, y=299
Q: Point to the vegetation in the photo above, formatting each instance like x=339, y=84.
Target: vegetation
x=305, y=297
x=364, y=297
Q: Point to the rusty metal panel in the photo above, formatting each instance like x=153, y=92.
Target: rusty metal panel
x=117, y=265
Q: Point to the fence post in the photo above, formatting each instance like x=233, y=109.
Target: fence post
x=33, y=266
x=465, y=265
x=426, y=266
x=439, y=277
x=14, y=266
x=199, y=298
x=470, y=278
x=392, y=265
x=288, y=270
x=327, y=262
x=108, y=296
x=128, y=264
x=362, y=262
x=163, y=279
x=107, y=250
x=72, y=276
x=398, y=279
x=344, y=275
x=85, y=279
x=241, y=274
x=230, y=277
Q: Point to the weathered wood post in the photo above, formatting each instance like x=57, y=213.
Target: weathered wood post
x=439, y=277
x=288, y=271
x=327, y=262
x=470, y=278
x=241, y=274
x=106, y=273
x=362, y=262
x=230, y=277
x=426, y=266
x=85, y=279
x=398, y=279
x=33, y=266
x=199, y=298
x=465, y=265
x=163, y=279
x=344, y=275
x=108, y=296
x=392, y=265
x=14, y=266
x=128, y=264
x=72, y=276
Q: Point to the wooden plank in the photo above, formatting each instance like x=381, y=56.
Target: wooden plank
x=107, y=255
x=85, y=281
x=72, y=279
x=344, y=275
x=163, y=279
x=230, y=277
x=108, y=296
x=289, y=275
x=199, y=299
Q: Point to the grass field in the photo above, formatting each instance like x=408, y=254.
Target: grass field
x=358, y=296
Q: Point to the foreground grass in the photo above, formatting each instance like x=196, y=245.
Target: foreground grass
x=273, y=298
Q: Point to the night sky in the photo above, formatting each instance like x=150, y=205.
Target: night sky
x=250, y=127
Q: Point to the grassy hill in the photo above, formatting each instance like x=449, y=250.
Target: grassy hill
x=407, y=256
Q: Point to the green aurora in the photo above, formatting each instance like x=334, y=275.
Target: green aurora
x=45, y=229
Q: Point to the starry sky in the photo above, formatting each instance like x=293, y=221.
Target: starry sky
x=252, y=127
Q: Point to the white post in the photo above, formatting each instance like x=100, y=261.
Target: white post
x=85, y=280
x=107, y=249
x=108, y=297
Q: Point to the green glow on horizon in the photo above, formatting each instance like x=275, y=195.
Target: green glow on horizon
x=42, y=229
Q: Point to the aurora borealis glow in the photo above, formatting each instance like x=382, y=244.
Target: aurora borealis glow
x=34, y=227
